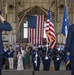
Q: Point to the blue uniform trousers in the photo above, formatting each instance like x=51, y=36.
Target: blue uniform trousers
x=72, y=65
x=36, y=68
x=1, y=59
x=46, y=64
x=57, y=63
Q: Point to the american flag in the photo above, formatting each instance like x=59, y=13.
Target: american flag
x=50, y=32
x=36, y=29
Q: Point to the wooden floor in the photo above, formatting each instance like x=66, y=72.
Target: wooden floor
x=14, y=72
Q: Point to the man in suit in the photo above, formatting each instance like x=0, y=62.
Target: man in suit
x=4, y=26
x=70, y=47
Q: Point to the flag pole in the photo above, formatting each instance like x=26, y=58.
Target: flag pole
x=37, y=32
x=65, y=2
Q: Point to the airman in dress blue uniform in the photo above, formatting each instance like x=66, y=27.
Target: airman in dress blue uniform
x=69, y=49
x=36, y=59
x=46, y=57
x=4, y=26
x=57, y=57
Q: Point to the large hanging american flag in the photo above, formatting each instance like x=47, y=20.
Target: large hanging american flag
x=35, y=29
x=50, y=32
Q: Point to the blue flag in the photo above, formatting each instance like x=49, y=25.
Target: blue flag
x=50, y=16
x=32, y=21
x=66, y=23
x=65, y=27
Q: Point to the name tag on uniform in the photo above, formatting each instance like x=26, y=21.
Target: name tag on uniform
x=58, y=59
x=46, y=57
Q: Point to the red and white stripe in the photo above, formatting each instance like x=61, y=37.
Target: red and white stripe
x=50, y=32
x=31, y=35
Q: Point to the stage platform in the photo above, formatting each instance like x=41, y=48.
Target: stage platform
x=29, y=71
x=15, y=72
